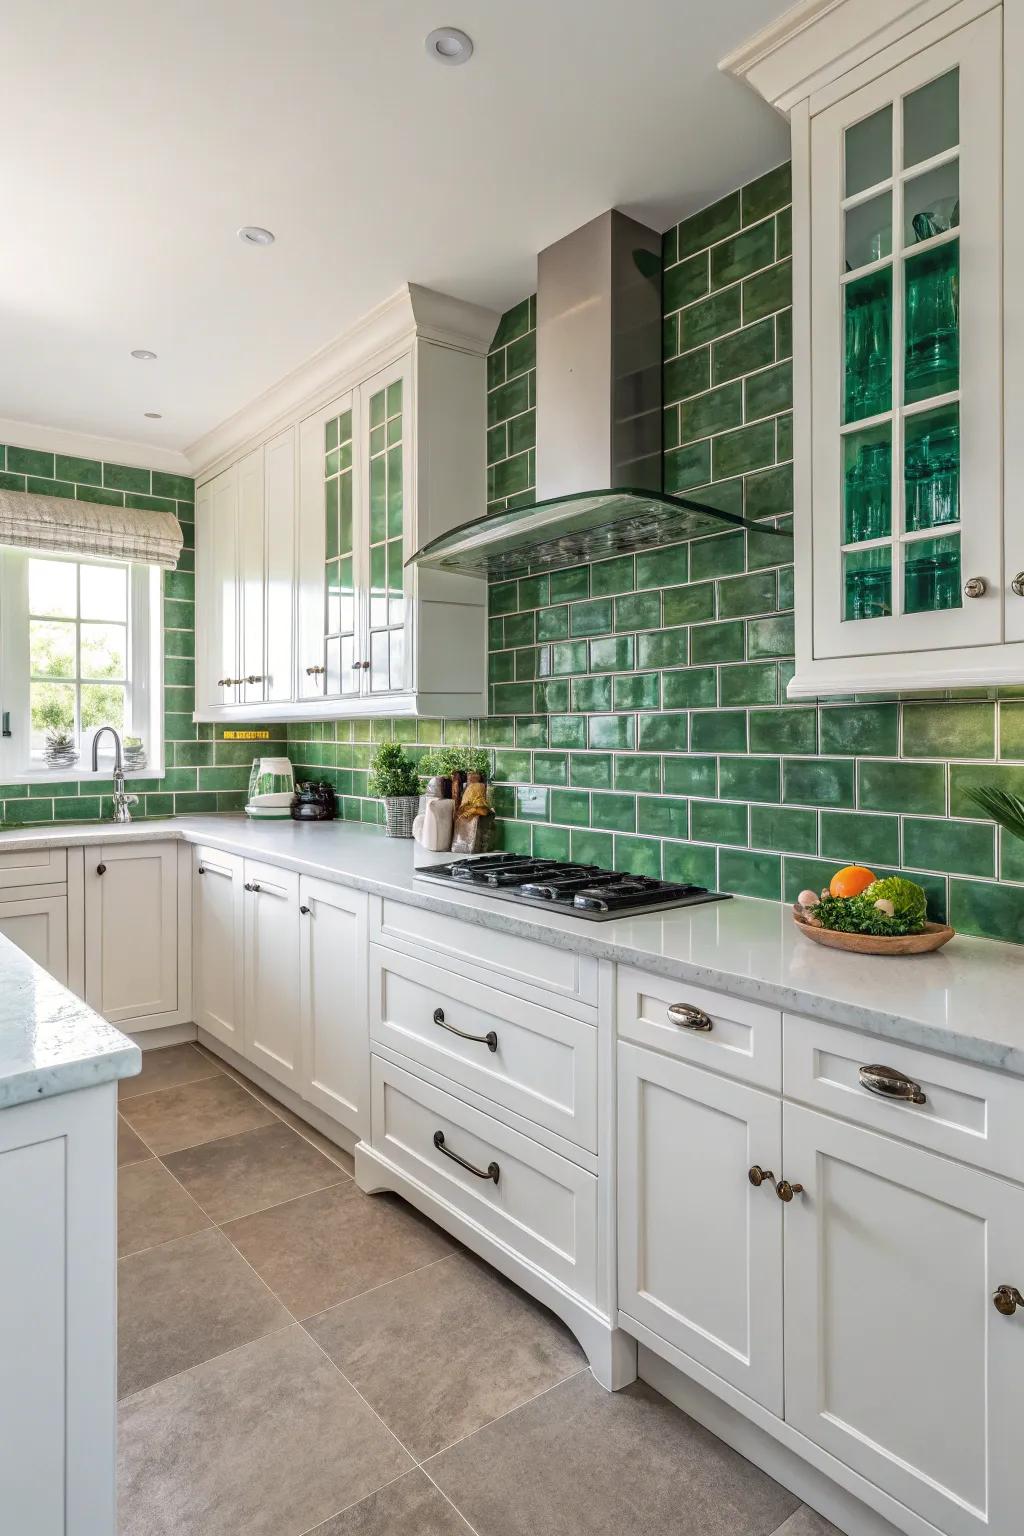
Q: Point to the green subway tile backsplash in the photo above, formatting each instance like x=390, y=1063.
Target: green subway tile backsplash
x=637, y=709
x=673, y=748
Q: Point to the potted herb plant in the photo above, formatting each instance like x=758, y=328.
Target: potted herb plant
x=395, y=780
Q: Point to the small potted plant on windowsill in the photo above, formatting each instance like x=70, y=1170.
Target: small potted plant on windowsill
x=60, y=751
x=395, y=780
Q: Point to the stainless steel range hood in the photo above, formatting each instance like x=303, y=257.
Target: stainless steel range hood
x=599, y=418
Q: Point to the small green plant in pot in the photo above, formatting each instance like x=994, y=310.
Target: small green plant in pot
x=395, y=780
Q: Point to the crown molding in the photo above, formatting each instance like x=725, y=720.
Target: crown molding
x=413, y=313
x=83, y=445
x=816, y=42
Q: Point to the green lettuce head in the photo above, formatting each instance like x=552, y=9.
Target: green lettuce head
x=908, y=900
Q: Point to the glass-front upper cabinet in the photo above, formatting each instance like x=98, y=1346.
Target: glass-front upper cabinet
x=352, y=543
x=905, y=340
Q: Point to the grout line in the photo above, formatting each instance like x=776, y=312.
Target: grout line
x=581, y=1371
x=312, y=1316
x=200, y=1363
x=410, y=1472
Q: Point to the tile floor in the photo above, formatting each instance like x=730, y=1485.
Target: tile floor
x=300, y=1359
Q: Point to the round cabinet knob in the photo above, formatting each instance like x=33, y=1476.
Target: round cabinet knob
x=304, y=911
x=1017, y=584
x=1007, y=1299
x=975, y=586
x=315, y=671
x=785, y=1190
x=759, y=1176
x=101, y=869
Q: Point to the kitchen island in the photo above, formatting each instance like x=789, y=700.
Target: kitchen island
x=59, y=1066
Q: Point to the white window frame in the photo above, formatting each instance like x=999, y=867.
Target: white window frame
x=145, y=701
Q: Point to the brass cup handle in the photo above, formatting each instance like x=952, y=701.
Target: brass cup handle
x=490, y=1039
x=689, y=1016
x=492, y=1171
x=1007, y=1299
x=1017, y=584
x=782, y=1187
x=890, y=1084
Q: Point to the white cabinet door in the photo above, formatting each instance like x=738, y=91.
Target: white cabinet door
x=131, y=930
x=38, y=924
x=905, y=241
x=335, y=1022
x=271, y=966
x=217, y=944
x=250, y=686
x=700, y=1248
x=385, y=414
x=330, y=554
x=897, y=1361
x=217, y=591
x=279, y=571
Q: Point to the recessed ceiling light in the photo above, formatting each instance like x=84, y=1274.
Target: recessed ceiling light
x=154, y=415
x=252, y=234
x=144, y=355
x=449, y=46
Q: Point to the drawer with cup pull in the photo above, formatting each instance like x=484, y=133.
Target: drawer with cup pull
x=725, y=1034
x=537, y=1062
x=947, y=1106
x=538, y=1204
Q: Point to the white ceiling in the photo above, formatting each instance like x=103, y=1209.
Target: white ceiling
x=139, y=134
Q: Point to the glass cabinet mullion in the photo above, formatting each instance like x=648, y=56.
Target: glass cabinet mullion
x=898, y=341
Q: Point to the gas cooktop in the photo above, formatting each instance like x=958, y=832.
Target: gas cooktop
x=584, y=890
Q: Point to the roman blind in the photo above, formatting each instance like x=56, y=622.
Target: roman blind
x=64, y=526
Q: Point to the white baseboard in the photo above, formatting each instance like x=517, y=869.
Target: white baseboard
x=164, y=1034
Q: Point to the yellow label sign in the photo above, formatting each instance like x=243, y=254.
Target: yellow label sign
x=246, y=736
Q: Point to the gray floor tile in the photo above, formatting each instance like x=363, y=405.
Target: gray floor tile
x=129, y=1148
x=173, y=1118
x=411, y=1506
x=167, y=1068
x=185, y=1302
x=580, y=1461
x=152, y=1208
x=444, y=1351
x=266, y=1441
x=330, y=1246
x=806, y=1522
x=322, y=1143
x=241, y=1174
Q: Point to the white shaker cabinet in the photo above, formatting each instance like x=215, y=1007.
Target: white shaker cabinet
x=245, y=573
x=700, y=1247
x=217, y=944
x=897, y=1360
x=58, y=1314
x=270, y=960
x=305, y=604
x=335, y=1028
x=38, y=923
x=136, y=974
x=906, y=338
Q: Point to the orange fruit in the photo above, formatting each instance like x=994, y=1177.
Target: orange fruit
x=850, y=881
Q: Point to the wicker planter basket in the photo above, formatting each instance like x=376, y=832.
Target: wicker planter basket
x=399, y=814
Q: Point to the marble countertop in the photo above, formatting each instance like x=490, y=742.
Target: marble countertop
x=50, y=1041
x=964, y=1000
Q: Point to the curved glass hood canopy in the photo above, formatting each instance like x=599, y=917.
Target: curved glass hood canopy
x=574, y=530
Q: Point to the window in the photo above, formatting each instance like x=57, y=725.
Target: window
x=77, y=653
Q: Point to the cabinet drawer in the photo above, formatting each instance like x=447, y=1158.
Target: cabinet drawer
x=967, y=1113
x=545, y=1063
x=33, y=866
x=744, y=1040
x=501, y=960
x=541, y=1206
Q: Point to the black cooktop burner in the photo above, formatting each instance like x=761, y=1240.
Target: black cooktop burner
x=585, y=890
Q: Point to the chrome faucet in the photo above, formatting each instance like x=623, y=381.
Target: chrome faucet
x=122, y=802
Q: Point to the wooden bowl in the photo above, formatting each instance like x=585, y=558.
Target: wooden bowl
x=933, y=936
